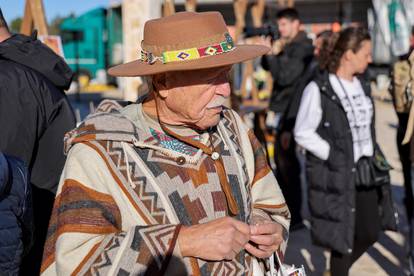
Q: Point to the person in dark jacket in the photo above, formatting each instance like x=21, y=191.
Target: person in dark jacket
x=287, y=62
x=16, y=227
x=335, y=124
x=34, y=116
x=321, y=44
x=290, y=157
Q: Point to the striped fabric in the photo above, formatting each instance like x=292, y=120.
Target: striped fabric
x=123, y=197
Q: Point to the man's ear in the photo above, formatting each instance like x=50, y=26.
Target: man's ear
x=296, y=24
x=348, y=54
x=160, y=84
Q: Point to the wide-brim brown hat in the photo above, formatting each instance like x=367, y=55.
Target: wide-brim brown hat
x=187, y=41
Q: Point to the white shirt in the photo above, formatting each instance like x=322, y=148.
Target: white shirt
x=359, y=111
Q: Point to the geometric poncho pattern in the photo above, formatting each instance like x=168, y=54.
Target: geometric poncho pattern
x=123, y=197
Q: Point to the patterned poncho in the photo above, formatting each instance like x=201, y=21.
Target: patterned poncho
x=126, y=189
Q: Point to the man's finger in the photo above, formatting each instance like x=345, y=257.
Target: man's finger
x=264, y=239
x=241, y=238
x=241, y=226
x=256, y=252
x=266, y=228
x=269, y=249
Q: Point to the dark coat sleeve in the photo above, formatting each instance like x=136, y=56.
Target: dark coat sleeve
x=34, y=117
x=19, y=120
x=49, y=159
x=287, y=67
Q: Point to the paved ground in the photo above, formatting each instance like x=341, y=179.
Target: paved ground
x=387, y=256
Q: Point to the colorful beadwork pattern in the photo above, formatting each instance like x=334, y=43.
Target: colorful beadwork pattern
x=190, y=53
x=171, y=143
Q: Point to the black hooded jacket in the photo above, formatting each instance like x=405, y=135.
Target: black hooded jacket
x=287, y=70
x=34, y=111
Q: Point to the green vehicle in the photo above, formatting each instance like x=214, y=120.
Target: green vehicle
x=92, y=42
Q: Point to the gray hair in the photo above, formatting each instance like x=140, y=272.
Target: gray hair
x=147, y=80
x=146, y=87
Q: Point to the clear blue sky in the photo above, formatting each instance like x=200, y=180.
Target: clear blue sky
x=15, y=8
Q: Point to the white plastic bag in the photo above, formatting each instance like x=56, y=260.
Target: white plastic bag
x=284, y=269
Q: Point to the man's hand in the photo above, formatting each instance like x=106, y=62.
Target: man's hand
x=267, y=236
x=265, y=41
x=220, y=239
x=278, y=46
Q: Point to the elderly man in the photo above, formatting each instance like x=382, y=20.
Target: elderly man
x=173, y=185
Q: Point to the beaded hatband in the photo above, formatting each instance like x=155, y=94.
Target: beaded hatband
x=191, y=53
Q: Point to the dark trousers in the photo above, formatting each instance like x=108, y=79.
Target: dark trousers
x=42, y=209
x=367, y=229
x=288, y=177
x=404, y=152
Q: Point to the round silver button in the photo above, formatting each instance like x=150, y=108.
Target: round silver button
x=180, y=160
x=215, y=156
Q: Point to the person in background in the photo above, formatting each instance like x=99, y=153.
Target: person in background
x=335, y=125
x=16, y=216
x=287, y=62
x=401, y=92
x=290, y=156
x=321, y=47
x=292, y=52
x=34, y=117
x=321, y=41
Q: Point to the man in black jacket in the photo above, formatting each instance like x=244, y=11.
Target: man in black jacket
x=34, y=116
x=289, y=59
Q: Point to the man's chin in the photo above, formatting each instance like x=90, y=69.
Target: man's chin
x=208, y=123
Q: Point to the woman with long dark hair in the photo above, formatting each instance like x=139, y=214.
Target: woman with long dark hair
x=335, y=124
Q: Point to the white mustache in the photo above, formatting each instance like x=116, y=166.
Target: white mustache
x=219, y=101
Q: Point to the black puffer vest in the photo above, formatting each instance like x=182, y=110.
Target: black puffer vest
x=332, y=182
